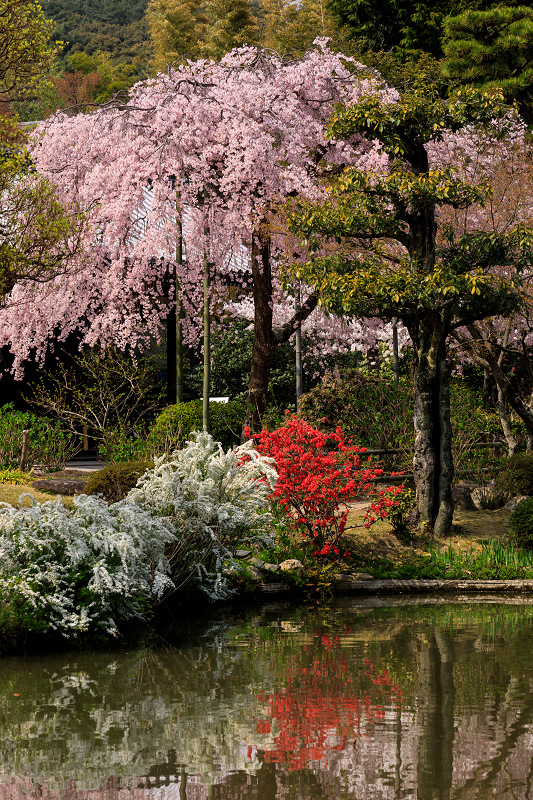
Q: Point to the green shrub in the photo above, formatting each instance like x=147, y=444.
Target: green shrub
x=175, y=423
x=49, y=444
x=377, y=413
x=516, y=476
x=116, y=480
x=374, y=412
x=119, y=445
x=398, y=516
x=521, y=524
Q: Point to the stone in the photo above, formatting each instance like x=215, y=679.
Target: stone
x=59, y=486
x=291, y=565
x=271, y=567
x=513, y=502
x=360, y=576
x=243, y=553
x=256, y=562
x=255, y=573
x=462, y=499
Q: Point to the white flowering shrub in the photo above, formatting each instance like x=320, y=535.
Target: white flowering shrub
x=82, y=569
x=97, y=565
x=214, y=501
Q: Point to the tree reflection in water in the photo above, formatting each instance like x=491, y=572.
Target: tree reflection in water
x=432, y=701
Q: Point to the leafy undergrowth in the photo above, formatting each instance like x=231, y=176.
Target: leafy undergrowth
x=478, y=548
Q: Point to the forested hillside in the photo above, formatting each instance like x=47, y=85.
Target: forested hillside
x=117, y=28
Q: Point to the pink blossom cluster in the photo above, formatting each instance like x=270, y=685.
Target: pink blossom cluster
x=217, y=145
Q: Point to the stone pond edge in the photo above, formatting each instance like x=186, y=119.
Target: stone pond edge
x=370, y=587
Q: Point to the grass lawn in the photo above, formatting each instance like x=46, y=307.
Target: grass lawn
x=10, y=492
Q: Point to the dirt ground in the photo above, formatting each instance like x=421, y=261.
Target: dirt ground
x=470, y=528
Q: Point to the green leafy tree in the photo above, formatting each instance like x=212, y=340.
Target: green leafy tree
x=388, y=262
x=38, y=235
x=493, y=48
x=26, y=54
x=188, y=29
x=407, y=26
x=289, y=27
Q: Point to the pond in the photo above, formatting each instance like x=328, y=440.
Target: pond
x=362, y=699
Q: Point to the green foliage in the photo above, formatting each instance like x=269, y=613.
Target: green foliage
x=378, y=414
x=494, y=560
x=117, y=28
x=493, y=47
x=119, y=445
x=14, y=475
x=48, y=443
x=185, y=29
x=174, y=425
x=42, y=234
x=230, y=369
x=521, y=523
x=373, y=209
x=371, y=411
x=115, y=480
x=406, y=28
x=398, y=516
x=516, y=476
x=25, y=52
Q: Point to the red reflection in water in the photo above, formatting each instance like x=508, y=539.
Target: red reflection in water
x=325, y=705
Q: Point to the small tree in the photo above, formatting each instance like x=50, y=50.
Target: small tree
x=389, y=262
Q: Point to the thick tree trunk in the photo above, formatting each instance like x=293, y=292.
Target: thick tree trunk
x=512, y=444
x=266, y=337
x=433, y=461
x=264, y=342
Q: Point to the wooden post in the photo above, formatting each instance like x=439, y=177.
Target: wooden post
x=24, y=456
x=298, y=353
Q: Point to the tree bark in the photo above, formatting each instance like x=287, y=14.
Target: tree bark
x=266, y=337
x=264, y=343
x=433, y=462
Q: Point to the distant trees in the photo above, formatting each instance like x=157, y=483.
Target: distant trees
x=188, y=29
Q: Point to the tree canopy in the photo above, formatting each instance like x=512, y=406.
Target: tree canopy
x=493, y=47
x=406, y=26
x=389, y=261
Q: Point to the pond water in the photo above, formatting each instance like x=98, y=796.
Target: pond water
x=358, y=699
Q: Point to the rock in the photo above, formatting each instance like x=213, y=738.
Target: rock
x=360, y=576
x=255, y=574
x=243, y=553
x=59, y=486
x=256, y=562
x=513, y=502
x=271, y=567
x=462, y=499
x=291, y=565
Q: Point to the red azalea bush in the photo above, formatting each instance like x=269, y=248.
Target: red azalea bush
x=318, y=474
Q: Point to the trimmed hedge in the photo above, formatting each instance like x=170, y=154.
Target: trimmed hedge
x=115, y=481
x=174, y=425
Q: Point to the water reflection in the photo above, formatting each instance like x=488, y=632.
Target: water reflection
x=361, y=700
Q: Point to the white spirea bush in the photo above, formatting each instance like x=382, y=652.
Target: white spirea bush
x=97, y=565
x=214, y=501
x=76, y=570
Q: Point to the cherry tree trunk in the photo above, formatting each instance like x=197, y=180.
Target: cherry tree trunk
x=433, y=462
x=264, y=341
